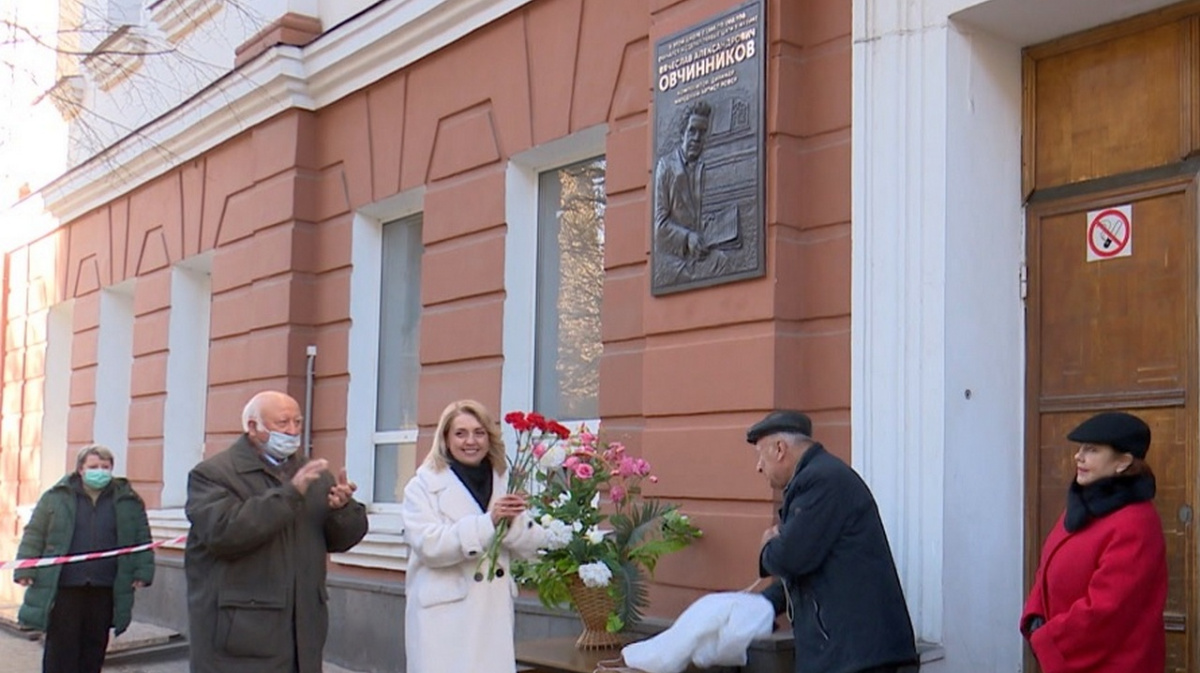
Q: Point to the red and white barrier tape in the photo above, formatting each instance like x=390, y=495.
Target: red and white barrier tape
x=89, y=556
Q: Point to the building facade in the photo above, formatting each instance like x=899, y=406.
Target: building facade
x=409, y=202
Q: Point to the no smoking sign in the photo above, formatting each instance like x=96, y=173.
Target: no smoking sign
x=1109, y=233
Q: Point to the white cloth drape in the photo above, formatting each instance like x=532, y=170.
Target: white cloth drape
x=713, y=631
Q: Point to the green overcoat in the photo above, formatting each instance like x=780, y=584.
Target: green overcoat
x=49, y=534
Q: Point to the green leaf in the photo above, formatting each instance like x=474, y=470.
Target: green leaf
x=633, y=596
x=614, y=625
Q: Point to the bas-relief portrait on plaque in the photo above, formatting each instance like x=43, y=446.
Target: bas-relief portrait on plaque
x=709, y=140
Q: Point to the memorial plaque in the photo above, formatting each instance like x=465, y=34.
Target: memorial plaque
x=709, y=145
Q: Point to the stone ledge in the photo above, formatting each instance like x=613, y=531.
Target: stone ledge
x=291, y=29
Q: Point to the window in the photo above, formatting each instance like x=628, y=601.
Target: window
x=554, y=278
x=384, y=365
x=60, y=333
x=124, y=12
x=395, y=437
x=114, y=361
x=187, y=375
x=570, y=287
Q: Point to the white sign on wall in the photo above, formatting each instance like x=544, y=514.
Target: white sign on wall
x=1109, y=233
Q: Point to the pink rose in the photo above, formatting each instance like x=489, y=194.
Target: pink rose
x=584, y=471
x=570, y=462
x=539, y=450
x=626, y=468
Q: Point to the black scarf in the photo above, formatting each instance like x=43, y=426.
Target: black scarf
x=477, y=479
x=1103, y=497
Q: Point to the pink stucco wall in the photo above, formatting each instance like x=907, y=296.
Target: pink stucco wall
x=682, y=375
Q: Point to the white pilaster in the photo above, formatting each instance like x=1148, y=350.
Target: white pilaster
x=898, y=287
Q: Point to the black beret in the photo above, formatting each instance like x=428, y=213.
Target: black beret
x=1124, y=432
x=784, y=420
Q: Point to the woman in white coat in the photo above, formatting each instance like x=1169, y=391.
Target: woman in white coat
x=455, y=618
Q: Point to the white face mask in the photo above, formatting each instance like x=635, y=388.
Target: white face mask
x=282, y=445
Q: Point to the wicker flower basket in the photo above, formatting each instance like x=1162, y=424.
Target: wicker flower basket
x=594, y=606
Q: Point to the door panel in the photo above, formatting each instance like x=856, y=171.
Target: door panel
x=1118, y=334
x=1082, y=118
x=1145, y=352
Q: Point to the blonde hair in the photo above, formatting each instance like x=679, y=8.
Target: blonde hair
x=439, y=454
x=101, y=452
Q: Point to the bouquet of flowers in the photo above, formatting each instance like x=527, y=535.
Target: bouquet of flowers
x=533, y=431
x=601, y=531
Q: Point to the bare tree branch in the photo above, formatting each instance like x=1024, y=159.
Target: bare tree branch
x=114, y=81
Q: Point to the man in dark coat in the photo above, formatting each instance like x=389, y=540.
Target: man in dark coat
x=262, y=521
x=829, y=555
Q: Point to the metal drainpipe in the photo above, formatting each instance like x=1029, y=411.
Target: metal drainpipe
x=311, y=353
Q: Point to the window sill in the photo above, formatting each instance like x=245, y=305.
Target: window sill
x=116, y=58
x=383, y=547
x=67, y=96
x=168, y=524
x=180, y=18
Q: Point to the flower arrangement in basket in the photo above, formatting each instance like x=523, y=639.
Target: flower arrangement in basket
x=603, y=537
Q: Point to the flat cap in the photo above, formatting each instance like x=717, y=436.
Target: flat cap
x=783, y=420
x=1124, y=432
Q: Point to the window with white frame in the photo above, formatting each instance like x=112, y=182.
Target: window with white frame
x=114, y=361
x=60, y=334
x=554, y=278
x=187, y=375
x=570, y=290
x=384, y=365
x=399, y=368
x=124, y=12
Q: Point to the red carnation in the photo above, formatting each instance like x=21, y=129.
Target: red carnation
x=517, y=420
x=559, y=429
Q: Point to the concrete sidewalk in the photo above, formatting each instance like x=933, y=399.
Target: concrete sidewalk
x=21, y=652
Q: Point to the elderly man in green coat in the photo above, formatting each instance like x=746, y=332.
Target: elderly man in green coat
x=263, y=519
x=76, y=604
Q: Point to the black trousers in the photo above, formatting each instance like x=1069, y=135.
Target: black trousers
x=77, y=632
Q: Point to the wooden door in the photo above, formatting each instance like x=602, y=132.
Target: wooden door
x=1118, y=334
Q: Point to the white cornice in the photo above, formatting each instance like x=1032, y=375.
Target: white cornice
x=355, y=54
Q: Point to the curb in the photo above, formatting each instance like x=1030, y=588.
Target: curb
x=8, y=622
x=171, y=649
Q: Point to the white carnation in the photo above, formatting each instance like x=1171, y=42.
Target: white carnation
x=558, y=534
x=595, y=575
x=595, y=535
x=553, y=458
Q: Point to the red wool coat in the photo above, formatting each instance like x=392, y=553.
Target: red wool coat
x=1102, y=590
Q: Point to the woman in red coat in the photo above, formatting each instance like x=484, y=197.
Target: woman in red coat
x=1098, y=596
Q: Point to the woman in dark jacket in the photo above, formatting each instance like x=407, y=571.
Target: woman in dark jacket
x=1097, y=600
x=77, y=603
